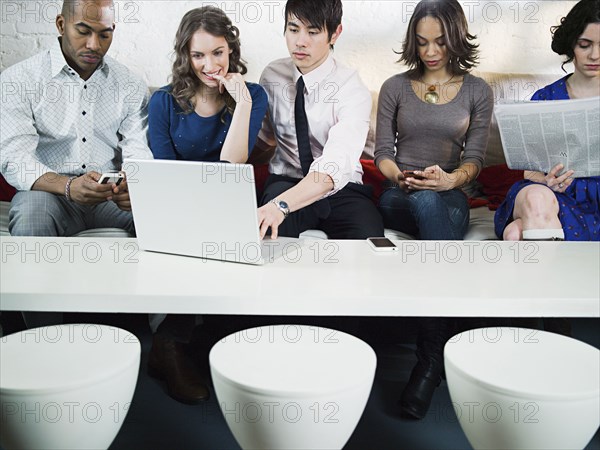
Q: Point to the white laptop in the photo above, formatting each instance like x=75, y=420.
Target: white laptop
x=206, y=210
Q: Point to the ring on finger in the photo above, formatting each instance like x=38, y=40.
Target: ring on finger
x=561, y=185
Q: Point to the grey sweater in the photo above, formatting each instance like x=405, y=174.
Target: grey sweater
x=416, y=134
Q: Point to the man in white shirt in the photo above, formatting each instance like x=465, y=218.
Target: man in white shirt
x=68, y=115
x=321, y=187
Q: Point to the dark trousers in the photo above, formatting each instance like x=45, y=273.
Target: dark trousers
x=348, y=214
x=178, y=327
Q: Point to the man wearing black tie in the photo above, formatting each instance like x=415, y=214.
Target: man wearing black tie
x=318, y=122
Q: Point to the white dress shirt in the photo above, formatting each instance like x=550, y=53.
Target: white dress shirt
x=338, y=108
x=51, y=120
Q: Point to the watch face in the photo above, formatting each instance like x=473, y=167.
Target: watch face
x=283, y=205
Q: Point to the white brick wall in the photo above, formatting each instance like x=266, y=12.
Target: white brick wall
x=514, y=36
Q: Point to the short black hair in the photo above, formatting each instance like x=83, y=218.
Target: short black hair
x=565, y=35
x=320, y=14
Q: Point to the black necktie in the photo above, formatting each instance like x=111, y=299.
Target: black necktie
x=306, y=157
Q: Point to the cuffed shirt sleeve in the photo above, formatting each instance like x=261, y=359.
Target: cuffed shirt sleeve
x=133, y=130
x=347, y=137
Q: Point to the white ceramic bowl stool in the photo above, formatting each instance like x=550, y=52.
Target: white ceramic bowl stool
x=66, y=386
x=514, y=388
x=292, y=386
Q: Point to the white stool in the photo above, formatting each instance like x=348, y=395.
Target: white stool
x=526, y=389
x=292, y=386
x=66, y=387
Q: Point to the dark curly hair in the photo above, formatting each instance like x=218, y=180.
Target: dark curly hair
x=463, y=53
x=565, y=35
x=185, y=82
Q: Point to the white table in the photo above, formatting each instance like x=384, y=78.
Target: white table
x=488, y=278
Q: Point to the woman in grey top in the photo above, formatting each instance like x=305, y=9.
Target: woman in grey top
x=432, y=130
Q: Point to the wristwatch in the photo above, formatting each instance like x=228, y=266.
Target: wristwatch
x=281, y=206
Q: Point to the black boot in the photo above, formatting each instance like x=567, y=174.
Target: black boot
x=169, y=361
x=427, y=373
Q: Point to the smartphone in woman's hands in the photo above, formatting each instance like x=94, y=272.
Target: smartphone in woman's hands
x=412, y=174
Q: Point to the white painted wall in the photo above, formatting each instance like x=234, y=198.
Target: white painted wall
x=514, y=36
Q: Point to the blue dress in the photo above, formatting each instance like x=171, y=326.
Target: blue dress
x=173, y=134
x=579, y=205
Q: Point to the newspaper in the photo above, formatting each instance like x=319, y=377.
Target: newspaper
x=539, y=135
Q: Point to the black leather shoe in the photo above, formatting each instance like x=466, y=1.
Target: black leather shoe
x=429, y=370
x=169, y=362
x=416, y=396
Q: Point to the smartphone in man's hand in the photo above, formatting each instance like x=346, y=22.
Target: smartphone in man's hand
x=111, y=177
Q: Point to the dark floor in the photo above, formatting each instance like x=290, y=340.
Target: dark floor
x=155, y=421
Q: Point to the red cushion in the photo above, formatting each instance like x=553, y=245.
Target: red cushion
x=496, y=181
x=261, y=173
x=7, y=192
x=373, y=177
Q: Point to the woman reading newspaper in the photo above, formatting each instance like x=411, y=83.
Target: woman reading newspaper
x=556, y=205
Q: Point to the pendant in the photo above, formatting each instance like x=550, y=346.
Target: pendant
x=431, y=97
